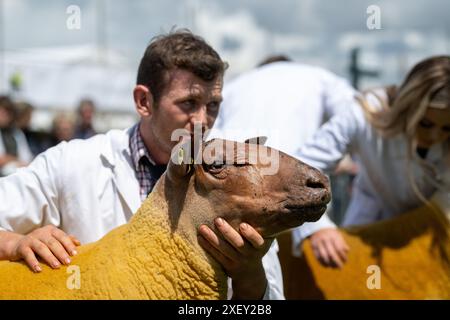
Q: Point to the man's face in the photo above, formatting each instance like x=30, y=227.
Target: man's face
x=185, y=101
x=86, y=113
x=6, y=117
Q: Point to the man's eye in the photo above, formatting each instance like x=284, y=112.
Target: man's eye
x=213, y=106
x=446, y=128
x=427, y=124
x=188, y=104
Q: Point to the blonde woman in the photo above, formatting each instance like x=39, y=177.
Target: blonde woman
x=398, y=136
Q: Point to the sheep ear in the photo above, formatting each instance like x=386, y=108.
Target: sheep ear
x=257, y=140
x=181, y=160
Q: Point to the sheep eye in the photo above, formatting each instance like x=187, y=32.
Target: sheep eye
x=215, y=166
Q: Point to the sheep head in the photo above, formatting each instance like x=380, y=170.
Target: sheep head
x=244, y=182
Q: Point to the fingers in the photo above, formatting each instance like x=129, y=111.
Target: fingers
x=233, y=245
x=342, y=249
x=49, y=243
x=251, y=235
x=44, y=252
x=235, y=238
x=330, y=248
x=322, y=254
x=58, y=250
x=231, y=235
x=216, y=254
x=218, y=243
x=69, y=242
x=240, y=259
x=335, y=260
x=31, y=260
x=75, y=241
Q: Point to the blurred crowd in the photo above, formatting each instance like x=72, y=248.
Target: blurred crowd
x=20, y=143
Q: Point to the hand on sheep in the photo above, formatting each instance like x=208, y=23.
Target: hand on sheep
x=53, y=245
x=329, y=247
x=240, y=254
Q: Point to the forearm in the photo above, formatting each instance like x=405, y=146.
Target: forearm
x=7, y=242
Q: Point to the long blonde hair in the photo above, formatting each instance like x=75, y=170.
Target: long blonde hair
x=426, y=85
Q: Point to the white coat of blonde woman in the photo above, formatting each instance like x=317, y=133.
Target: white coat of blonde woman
x=398, y=137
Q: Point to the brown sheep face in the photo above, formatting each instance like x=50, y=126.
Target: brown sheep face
x=248, y=182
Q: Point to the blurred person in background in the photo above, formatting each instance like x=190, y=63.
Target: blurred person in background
x=24, y=113
x=63, y=128
x=14, y=149
x=37, y=140
x=398, y=135
x=84, y=127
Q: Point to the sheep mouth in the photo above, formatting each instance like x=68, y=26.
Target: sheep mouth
x=307, y=213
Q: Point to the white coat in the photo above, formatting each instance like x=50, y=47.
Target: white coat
x=381, y=189
x=284, y=101
x=84, y=187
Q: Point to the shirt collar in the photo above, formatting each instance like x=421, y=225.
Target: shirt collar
x=137, y=147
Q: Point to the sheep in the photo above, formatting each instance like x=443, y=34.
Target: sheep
x=407, y=257
x=156, y=255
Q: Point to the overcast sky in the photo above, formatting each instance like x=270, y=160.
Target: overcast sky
x=319, y=32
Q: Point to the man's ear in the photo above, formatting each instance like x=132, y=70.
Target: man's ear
x=143, y=100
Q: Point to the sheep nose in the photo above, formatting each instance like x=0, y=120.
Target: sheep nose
x=314, y=183
x=319, y=185
x=316, y=179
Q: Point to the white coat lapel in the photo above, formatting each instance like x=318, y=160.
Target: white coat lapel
x=127, y=184
x=124, y=177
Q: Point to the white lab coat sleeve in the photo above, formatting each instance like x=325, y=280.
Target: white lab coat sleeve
x=272, y=267
x=271, y=263
x=334, y=139
x=29, y=198
x=338, y=95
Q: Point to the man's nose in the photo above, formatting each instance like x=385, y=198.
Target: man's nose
x=200, y=116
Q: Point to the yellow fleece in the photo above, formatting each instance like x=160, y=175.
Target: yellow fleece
x=143, y=259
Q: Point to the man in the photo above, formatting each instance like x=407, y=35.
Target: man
x=14, y=149
x=287, y=102
x=84, y=188
x=85, y=112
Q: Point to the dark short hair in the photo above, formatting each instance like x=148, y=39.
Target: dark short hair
x=23, y=107
x=85, y=101
x=178, y=49
x=274, y=58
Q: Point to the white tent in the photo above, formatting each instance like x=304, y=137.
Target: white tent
x=58, y=77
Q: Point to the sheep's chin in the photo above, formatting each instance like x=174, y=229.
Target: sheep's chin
x=291, y=217
x=302, y=214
